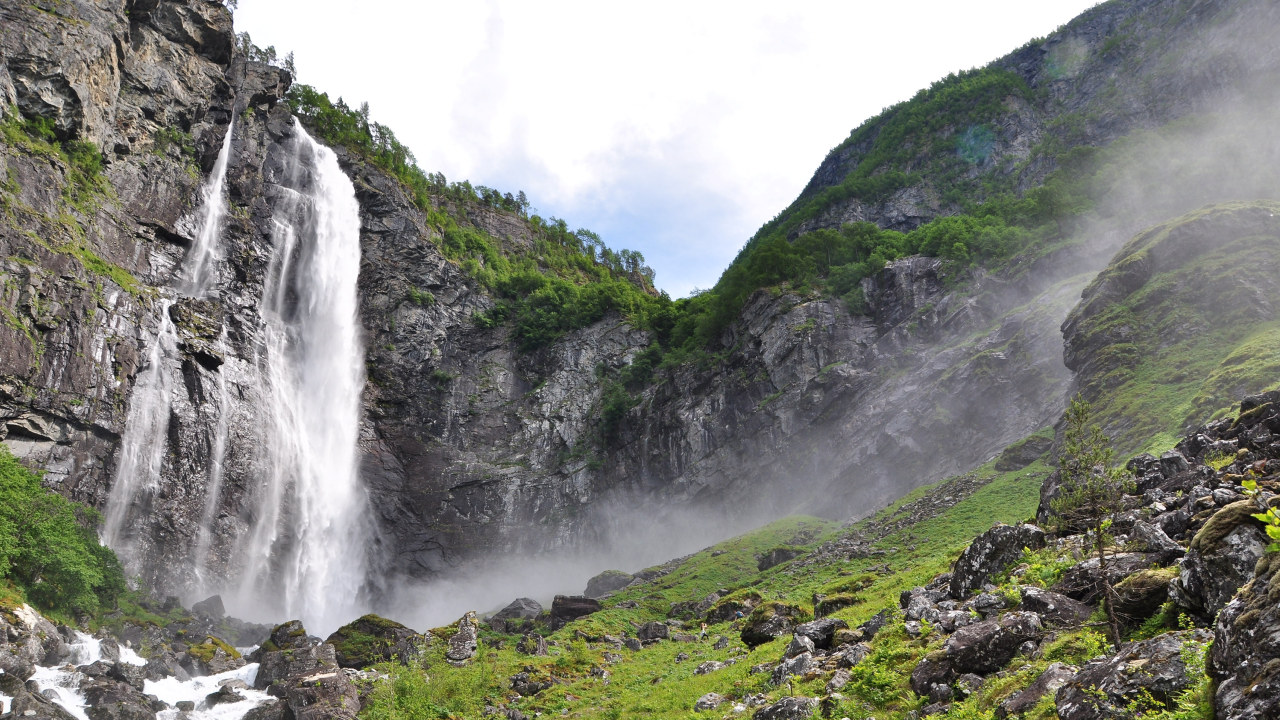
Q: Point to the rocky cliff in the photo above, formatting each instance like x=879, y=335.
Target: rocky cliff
x=468, y=446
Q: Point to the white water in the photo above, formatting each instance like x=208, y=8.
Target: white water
x=305, y=552
x=64, y=681
x=197, y=689
x=200, y=268
x=217, y=460
x=146, y=431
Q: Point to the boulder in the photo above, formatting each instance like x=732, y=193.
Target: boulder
x=821, y=631
x=710, y=701
x=289, y=654
x=211, y=657
x=709, y=666
x=1220, y=559
x=651, y=631
x=776, y=557
x=572, y=607
x=463, y=644
x=607, y=582
x=112, y=700
x=1140, y=595
x=1023, y=453
x=1245, y=646
x=791, y=708
x=372, y=639
x=990, y=553
x=848, y=656
x=323, y=696
x=798, y=665
x=527, y=685
x=770, y=621
x=520, y=609
x=989, y=645
x=799, y=645
x=210, y=607
x=1151, y=538
x=1083, y=581
x=1053, y=678
x=1053, y=608
x=1149, y=670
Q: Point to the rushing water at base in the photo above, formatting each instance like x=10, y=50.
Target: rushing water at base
x=63, y=684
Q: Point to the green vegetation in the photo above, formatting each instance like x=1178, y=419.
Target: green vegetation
x=49, y=548
x=1092, y=489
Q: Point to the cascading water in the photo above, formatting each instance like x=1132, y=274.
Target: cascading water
x=145, y=440
x=142, y=450
x=305, y=552
x=305, y=530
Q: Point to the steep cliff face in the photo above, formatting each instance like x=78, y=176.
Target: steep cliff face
x=1181, y=323
x=1117, y=68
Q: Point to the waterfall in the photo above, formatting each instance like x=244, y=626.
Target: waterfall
x=305, y=518
x=142, y=449
x=305, y=551
x=145, y=441
x=199, y=268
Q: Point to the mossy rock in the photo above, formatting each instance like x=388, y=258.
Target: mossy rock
x=772, y=620
x=1221, y=523
x=205, y=651
x=1140, y=595
x=832, y=603
x=727, y=608
x=372, y=639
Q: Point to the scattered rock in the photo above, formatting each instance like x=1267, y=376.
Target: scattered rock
x=1107, y=688
x=534, y=644
x=710, y=701
x=791, y=708
x=709, y=666
x=822, y=631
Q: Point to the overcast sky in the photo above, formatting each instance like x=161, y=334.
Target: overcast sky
x=672, y=128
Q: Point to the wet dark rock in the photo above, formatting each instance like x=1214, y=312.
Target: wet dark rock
x=821, y=631
x=223, y=695
x=1108, y=688
x=111, y=700
x=38, y=707
x=1054, y=608
x=607, y=582
x=1023, y=453
x=791, y=708
x=571, y=607
x=210, y=608
x=373, y=639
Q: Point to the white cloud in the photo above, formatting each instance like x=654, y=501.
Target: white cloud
x=673, y=128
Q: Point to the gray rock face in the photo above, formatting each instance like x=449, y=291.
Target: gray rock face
x=1220, y=560
x=607, y=582
x=1246, y=641
x=1107, y=688
x=990, y=553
